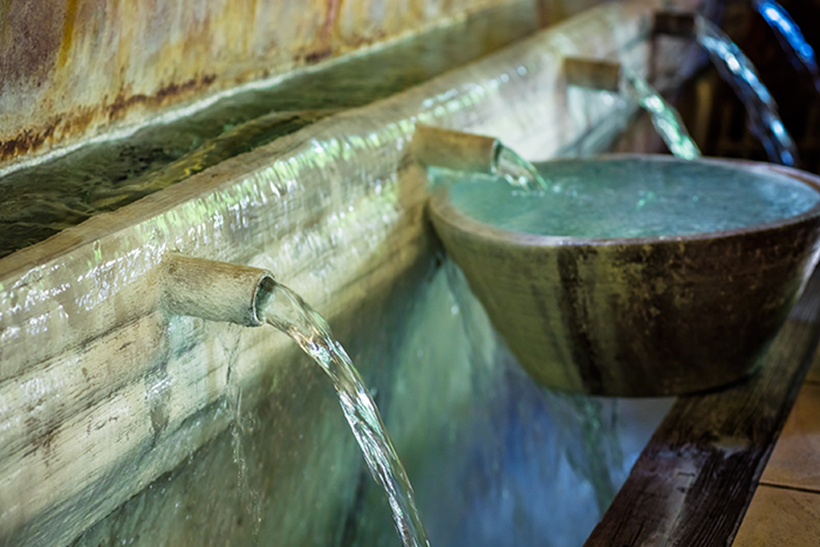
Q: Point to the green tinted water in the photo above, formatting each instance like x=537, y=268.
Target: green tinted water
x=634, y=198
x=517, y=171
x=44, y=199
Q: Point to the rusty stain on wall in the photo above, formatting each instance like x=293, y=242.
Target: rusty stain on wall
x=68, y=31
x=77, y=68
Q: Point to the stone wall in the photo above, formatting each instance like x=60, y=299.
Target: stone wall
x=74, y=69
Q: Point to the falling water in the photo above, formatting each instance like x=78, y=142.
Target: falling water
x=665, y=118
x=790, y=37
x=596, y=455
x=736, y=69
x=517, y=171
x=286, y=311
x=589, y=444
x=241, y=427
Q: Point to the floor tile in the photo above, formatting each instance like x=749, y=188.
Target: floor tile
x=780, y=517
x=814, y=372
x=795, y=460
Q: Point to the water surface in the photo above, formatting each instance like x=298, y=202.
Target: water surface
x=634, y=198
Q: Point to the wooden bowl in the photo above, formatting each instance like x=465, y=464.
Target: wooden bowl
x=644, y=316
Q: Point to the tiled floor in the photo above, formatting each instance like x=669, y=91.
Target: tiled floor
x=785, y=509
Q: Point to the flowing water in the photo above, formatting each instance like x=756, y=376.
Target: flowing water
x=736, y=69
x=790, y=37
x=517, y=171
x=508, y=166
x=665, y=118
x=286, y=311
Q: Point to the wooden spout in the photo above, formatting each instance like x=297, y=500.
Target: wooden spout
x=454, y=149
x=674, y=24
x=593, y=73
x=216, y=291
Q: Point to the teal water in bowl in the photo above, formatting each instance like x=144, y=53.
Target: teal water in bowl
x=627, y=198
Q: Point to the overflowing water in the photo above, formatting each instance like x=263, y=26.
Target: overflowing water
x=635, y=198
x=736, y=69
x=589, y=443
x=286, y=311
x=664, y=116
x=790, y=37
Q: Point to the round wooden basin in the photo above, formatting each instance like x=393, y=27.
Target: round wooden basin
x=705, y=261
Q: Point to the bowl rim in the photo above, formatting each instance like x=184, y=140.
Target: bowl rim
x=442, y=210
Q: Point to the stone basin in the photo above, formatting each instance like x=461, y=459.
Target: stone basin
x=670, y=277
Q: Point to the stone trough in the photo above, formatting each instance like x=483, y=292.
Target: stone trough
x=103, y=392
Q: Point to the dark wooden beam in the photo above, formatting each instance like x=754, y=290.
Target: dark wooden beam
x=694, y=480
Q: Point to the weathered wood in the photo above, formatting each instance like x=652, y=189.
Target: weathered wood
x=593, y=73
x=693, y=482
x=440, y=147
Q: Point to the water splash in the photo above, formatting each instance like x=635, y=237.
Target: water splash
x=665, y=118
x=736, y=69
x=790, y=37
x=286, y=311
x=517, y=171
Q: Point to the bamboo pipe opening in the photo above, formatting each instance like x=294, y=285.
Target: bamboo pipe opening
x=212, y=290
x=455, y=149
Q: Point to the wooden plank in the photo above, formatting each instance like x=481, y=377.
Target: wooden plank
x=692, y=484
x=779, y=516
x=795, y=460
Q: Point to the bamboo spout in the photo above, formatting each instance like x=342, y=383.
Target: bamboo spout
x=455, y=150
x=670, y=23
x=593, y=73
x=216, y=291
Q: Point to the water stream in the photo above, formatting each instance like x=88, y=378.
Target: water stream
x=790, y=37
x=286, y=311
x=517, y=171
x=664, y=116
x=736, y=69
